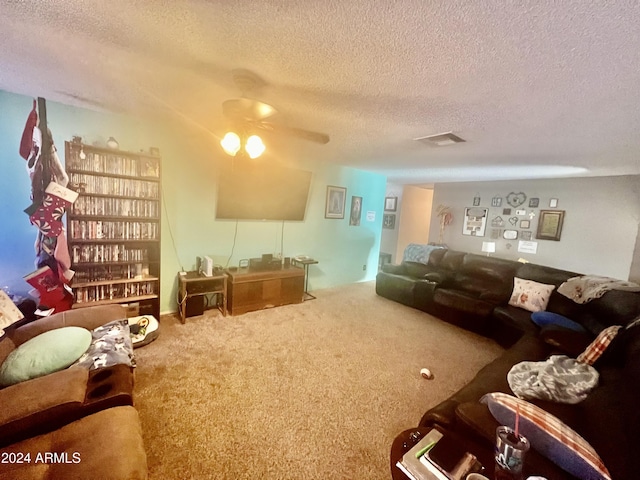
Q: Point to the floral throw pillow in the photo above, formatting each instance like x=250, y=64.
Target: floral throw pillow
x=530, y=295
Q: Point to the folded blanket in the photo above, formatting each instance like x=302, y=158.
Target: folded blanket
x=588, y=287
x=558, y=379
x=415, y=252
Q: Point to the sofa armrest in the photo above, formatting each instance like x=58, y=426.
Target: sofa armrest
x=394, y=269
x=40, y=404
x=89, y=318
x=568, y=341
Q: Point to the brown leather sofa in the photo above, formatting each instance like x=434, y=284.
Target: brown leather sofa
x=74, y=423
x=473, y=292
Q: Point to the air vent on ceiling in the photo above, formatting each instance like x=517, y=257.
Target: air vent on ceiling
x=440, y=139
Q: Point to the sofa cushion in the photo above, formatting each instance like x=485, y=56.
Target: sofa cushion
x=394, y=269
x=451, y=260
x=415, y=269
x=530, y=295
x=438, y=277
x=45, y=353
x=462, y=301
x=543, y=319
x=570, y=342
x=548, y=435
x=399, y=288
x=106, y=445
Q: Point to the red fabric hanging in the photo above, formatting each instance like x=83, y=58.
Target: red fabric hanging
x=26, y=143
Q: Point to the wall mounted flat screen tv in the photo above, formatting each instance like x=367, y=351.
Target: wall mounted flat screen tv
x=261, y=193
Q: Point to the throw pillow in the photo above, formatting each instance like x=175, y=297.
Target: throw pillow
x=548, y=435
x=542, y=319
x=599, y=345
x=530, y=295
x=44, y=354
x=111, y=345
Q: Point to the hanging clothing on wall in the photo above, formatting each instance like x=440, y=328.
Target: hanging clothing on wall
x=50, y=199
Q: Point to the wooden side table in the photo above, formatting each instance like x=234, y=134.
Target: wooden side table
x=408, y=438
x=192, y=284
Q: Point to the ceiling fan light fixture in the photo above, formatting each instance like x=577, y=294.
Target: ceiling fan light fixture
x=254, y=146
x=231, y=143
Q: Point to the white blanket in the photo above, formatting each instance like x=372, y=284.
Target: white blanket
x=558, y=379
x=587, y=287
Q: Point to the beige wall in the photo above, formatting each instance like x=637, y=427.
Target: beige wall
x=600, y=228
x=414, y=218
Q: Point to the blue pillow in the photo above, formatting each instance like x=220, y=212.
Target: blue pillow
x=542, y=319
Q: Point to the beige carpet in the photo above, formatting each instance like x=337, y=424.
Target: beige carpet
x=316, y=390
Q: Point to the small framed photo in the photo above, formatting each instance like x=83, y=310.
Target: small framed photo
x=496, y=202
x=525, y=224
x=389, y=220
x=553, y=203
x=356, y=211
x=534, y=202
x=550, y=224
x=336, y=198
x=525, y=235
x=506, y=211
x=390, y=204
x=476, y=201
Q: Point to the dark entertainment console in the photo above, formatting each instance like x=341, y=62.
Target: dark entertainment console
x=250, y=290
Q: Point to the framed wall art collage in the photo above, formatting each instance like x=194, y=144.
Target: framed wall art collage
x=514, y=217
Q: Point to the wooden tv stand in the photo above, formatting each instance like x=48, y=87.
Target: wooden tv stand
x=250, y=290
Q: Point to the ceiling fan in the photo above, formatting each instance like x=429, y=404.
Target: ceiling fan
x=250, y=116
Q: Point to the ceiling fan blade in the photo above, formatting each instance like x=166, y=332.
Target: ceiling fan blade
x=316, y=137
x=247, y=109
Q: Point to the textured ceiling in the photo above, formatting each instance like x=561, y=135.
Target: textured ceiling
x=538, y=89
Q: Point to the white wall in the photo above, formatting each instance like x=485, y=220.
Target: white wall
x=602, y=216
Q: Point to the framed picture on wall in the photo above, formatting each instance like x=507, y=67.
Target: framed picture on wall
x=475, y=221
x=550, y=224
x=336, y=198
x=390, y=204
x=389, y=221
x=356, y=211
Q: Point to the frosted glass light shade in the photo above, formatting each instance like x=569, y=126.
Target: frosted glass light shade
x=231, y=143
x=254, y=146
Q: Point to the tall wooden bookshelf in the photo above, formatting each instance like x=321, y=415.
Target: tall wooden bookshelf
x=114, y=227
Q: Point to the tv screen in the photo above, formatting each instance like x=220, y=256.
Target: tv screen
x=261, y=193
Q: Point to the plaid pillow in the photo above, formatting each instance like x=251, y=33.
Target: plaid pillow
x=548, y=435
x=599, y=345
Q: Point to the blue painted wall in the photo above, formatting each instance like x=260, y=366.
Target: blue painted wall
x=191, y=164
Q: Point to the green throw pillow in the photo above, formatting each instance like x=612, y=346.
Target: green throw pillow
x=46, y=353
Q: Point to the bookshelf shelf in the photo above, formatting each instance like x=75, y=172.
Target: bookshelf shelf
x=132, y=299
x=114, y=227
x=115, y=281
